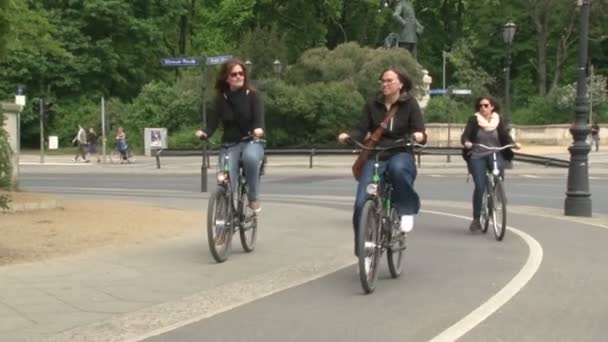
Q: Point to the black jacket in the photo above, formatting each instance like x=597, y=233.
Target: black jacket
x=407, y=120
x=239, y=112
x=470, y=134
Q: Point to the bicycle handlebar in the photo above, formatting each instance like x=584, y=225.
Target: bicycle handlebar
x=398, y=144
x=250, y=138
x=491, y=148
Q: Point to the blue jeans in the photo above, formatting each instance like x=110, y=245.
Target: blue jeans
x=251, y=156
x=478, y=169
x=401, y=171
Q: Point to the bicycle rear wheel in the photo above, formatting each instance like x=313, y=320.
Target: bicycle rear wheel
x=219, y=225
x=115, y=156
x=499, y=212
x=248, y=229
x=396, y=248
x=368, y=250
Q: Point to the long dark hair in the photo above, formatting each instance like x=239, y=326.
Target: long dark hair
x=403, y=78
x=221, y=86
x=490, y=99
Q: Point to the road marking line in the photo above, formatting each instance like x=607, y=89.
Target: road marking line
x=530, y=176
x=470, y=321
x=56, y=164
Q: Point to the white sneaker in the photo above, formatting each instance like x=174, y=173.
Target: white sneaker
x=407, y=223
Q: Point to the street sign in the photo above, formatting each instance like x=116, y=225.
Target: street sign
x=179, y=62
x=461, y=91
x=438, y=91
x=213, y=60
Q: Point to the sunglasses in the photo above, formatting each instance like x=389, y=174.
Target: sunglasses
x=238, y=73
x=484, y=105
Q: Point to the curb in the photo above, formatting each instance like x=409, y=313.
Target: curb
x=31, y=206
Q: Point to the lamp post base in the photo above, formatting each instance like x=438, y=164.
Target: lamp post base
x=577, y=205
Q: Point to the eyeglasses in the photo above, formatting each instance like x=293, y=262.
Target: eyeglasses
x=484, y=105
x=238, y=73
x=391, y=81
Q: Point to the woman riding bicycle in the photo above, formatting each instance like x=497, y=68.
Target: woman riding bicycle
x=397, y=164
x=240, y=110
x=486, y=128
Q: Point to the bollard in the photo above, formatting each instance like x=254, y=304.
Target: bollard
x=312, y=153
x=157, y=155
x=418, y=158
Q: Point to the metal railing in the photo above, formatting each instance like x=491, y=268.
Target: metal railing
x=312, y=152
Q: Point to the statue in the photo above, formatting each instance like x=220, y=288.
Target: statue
x=425, y=97
x=407, y=27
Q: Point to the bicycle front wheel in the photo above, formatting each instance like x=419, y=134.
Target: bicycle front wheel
x=219, y=225
x=486, y=208
x=499, y=212
x=248, y=229
x=368, y=249
x=396, y=248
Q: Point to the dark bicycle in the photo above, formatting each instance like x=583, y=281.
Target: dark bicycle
x=379, y=224
x=227, y=214
x=494, y=199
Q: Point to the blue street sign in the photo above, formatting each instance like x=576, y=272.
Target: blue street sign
x=179, y=62
x=213, y=60
x=438, y=91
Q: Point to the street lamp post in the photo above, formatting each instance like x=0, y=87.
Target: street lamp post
x=508, y=33
x=444, y=55
x=578, y=197
x=277, y=67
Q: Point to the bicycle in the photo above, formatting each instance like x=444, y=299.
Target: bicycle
x=494, y=199
x=117, y=156
x=225, y=217
x=379, y=225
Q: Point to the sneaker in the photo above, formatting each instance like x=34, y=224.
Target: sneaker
x=255, y=206
x=475, y=225
x=407, y=223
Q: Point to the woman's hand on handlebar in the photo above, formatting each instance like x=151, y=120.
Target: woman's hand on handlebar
x=258, y=133
x=200, y=134
x=418, y=136
x=468, y=145
x=343, y=137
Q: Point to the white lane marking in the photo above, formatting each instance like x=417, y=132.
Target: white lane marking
x=56, y=164
x=495, y=302
x=530, y=176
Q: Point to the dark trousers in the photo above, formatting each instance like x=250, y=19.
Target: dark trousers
x=478, y=169
x=401, y=171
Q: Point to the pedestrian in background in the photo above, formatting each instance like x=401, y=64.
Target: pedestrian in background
x=80, y=140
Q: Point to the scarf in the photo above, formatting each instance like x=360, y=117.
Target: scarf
x=488, y=125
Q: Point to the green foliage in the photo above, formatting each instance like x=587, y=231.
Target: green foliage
x=70, y=116
x=310, y=114
x=440, y=108
x=352, y=63
x=541, y=111
x=262, y=47
x=5, y=162
x=4, y=25
x=159, y=105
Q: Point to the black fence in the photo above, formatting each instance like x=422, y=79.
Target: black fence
x=312, y=152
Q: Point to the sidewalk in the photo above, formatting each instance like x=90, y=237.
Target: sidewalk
x=153, y=281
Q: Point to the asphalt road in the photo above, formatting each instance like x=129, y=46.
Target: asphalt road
x=528, y=189
x=542, y=283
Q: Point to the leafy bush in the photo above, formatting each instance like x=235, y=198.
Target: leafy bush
x=440, y=107
x=5, y=163
x=310, y=114
x=541, y=111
